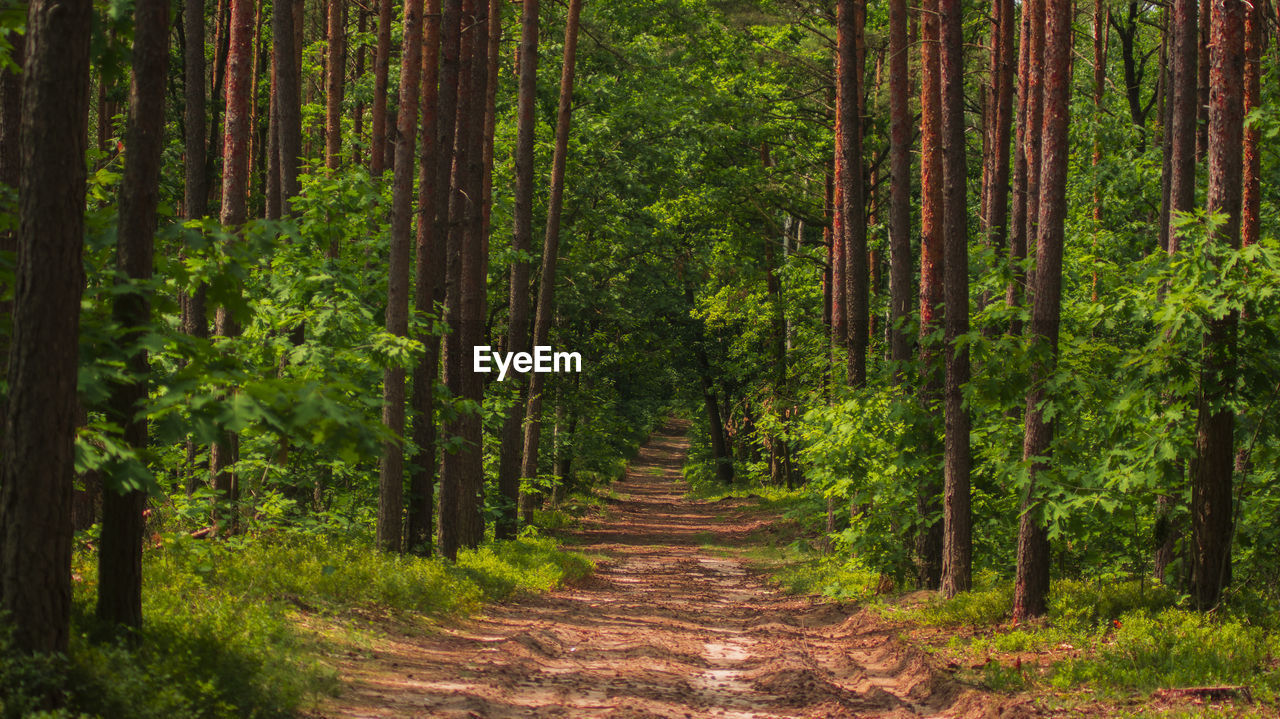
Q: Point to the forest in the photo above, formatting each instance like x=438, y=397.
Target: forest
x=968, y=313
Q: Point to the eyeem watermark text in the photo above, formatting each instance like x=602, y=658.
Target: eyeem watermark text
x=543, y=359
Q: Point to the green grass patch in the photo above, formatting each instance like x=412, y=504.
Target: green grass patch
x=839, y=578
x=1116, y=637
x=221, y=632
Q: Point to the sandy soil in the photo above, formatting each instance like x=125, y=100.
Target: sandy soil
x=664, y=629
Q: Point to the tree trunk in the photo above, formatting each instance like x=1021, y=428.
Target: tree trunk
x=848, y=143
x=235, y=185
x=1251, y=198
x=521, y=243
x=430, y=259
x=957, y=522
x=997, y=218
x=1021, y=201
x=1211, y=497
x=335, y=71
x=550, y=251
x=38, y=457
x=449, y=268
x=120, y=550
x=381, y=68
x=288, y=98
x=900, y=261
x=473, y=300
x=391, y=475
x=1202, y=101
x=1099, y=80
x=929, y=539
x=1182, y=161
x=1031, y=586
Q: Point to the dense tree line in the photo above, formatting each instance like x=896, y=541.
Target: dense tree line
x=995, y=309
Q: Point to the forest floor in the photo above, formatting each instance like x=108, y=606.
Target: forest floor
x=666, y=627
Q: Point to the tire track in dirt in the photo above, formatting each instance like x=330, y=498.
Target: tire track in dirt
x=663, y=629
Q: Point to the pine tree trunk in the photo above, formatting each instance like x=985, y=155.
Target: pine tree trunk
x=550, y=252
x=37, y=461
x=929, y=537
x=391, y=475
x=1002, y=64
x=1031, y=586
x=522, y=243
x=335, y=74
x=288, y=101
x=381, y=69
x=957, y=522
x=422, y=476
x=900, y=260
x=449, y=268
x=1211, y=495
x=235, y=186
x=120, y=548
x=853, y=226
x=1016, y=292
x=1182, y=160
x=473, y=300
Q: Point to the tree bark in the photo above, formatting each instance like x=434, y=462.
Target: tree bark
x=1182, y=159
x=449, y=270
x=235, y=185
x=1211, y=496
x=521, y=244
x=473, y=300
x=1031, y=586
x=391, y=475
x=381, y=69
x=900, y=260
x=550, y=252
x=957, y=522
x=120, y=548
x=848, y=142
x=929, y=538
x=1014, y=295
x=38, y=464
x=430, y=260
x=335, y=74
x=1251, y=198
x=1002, y=65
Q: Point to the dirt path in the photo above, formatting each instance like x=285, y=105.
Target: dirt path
x=664, y=629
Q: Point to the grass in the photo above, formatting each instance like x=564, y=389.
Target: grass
x=223, y=629
x=1118, y=639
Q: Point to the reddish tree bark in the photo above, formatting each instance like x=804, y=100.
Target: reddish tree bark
x=550, y=252
x=957, y=522
x=1212, y=514
x=849, y=179
x=235, y=186
x=120, y=548
x=997, y=169
x=335, y=75
x=37, y=462
x=929, y=537
x=900, y=260
x=391, y=474
x=1031, y=586
x=521, y=243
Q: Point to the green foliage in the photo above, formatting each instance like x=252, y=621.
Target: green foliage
x=1178, y=648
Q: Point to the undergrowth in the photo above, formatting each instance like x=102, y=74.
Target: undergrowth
x=221, y=636
x=1110, y=637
